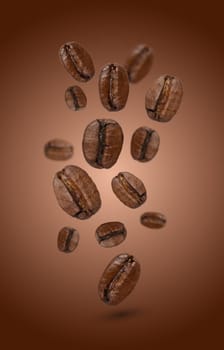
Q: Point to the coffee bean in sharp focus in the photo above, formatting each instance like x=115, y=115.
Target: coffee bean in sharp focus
x=113, y=87
x=77, y=61
x=68, y=239
x=58, y=149
x=139, y=63
x=75, y=98
x=76, y=192
x=163, y=98
x=153, y=220
x=119, y=279
x=111, y=234
x=129, y=189
x=102, y=143
x=144, y=144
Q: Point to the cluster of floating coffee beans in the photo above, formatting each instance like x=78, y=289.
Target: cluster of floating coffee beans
x=75, y=191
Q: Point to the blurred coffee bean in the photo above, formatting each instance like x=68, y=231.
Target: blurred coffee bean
x=58, y=149
x=139, y=63
x=153, y=220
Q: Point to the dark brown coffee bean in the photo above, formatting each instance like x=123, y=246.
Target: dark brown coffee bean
x=76, y=192
x=111, y=234
x=68, y=239
x=102, y=143
x=144, y=144
x=163, y=99
x=57, y=149
x=77, y=61
x=119, y=279
x=113, y=87
x=153, y=219
x=139, y=63
x=129, y=189
x=75, y=98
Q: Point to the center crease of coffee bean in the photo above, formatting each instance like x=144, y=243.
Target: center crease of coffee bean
x=145, y=144
x=111, y=234
x=112, y=77
x=130, y=189
x=55, y=147
x=74, y=97
x=68, y=240
x=102, y=144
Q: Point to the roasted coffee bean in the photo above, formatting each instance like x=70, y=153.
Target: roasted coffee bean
x=129, y=189
x=75, y=98
x=58, y=150
x=163, y=99
x=76, y=192
x=111, y=234
x=102, y=143
x=144, y=144
x=153, y=219
x=77, y=61
x=119, y=279
x=113, y=87
x=68, y=239
x=139, y=63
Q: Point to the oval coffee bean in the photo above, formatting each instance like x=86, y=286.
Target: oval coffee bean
x=77, y=61
x=113, y=87
x=111, y=234
x=144, y=144
x=57, y=149
x=139, y=63
x=102, y=143
x=163, y=99
x=75, y=98
x=76, y=192
x=129, y=189
x=119, y=279
x=68, y=239
x=153, y=220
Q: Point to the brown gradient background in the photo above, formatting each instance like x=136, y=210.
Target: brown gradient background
x=49, y=300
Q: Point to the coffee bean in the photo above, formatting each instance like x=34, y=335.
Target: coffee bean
x=102, y=143
x=153, y=220
x=57, y=149
x=129, y=189
x=111, y=234
x=163, y=99
x=75, y=98
x=77, y=61
x=113, y=87
x=144, y=144
x=76, y=192
x=119, y=279
x=139, y=63
x=68, y=239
